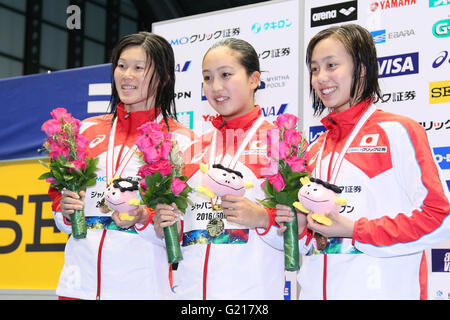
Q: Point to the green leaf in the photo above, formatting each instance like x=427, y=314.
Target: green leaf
x=268, y=189
x=45, y=176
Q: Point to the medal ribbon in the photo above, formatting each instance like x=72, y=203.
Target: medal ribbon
x=336, y=166
x=116, y=168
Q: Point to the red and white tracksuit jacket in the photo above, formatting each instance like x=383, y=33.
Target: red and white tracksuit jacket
x=111, y=263
x=238, y=264
x=394, y=195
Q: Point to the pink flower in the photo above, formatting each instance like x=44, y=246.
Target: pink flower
x=177, y=186
x=82, y=142
x=297, y=164
x=61, y=113
x=277, y=181
x=56, y=148
x=292, y=136
x=51, y=180
x=51, y=127
x=79, y=164
x=286, y=121
x=151, y=154
x=284, y=149
x=142, y=184
x=149, y=127
x=163, y=166
x=165, y=148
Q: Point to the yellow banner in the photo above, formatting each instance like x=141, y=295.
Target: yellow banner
x=440, y=91
x=31, y=247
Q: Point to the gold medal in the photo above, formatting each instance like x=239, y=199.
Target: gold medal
x=215, y=227
x=216, y=207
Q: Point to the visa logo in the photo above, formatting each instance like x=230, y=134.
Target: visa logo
x=398, y=65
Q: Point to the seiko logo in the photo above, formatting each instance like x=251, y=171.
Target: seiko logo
x=340, y=12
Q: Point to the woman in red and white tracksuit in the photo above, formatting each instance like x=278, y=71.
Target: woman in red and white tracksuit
x=396, y=203
x=232, y=261
x=113, y=261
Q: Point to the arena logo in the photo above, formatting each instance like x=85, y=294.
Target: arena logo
x=441, y=58
x=398, y=65
x=438, y=3
x=442, y=156
x=441, y=29
x=440, y=92
x=336, y=13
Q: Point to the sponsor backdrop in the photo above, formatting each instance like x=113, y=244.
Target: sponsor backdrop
x=415, y=82
x=412, y=40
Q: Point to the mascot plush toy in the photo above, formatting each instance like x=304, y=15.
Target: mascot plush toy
x=219, y=181
x=316, y=197
x=122, y=196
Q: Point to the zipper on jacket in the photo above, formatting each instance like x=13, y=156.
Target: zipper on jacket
x=205, y=270
x=324, y=276
x=99, y=265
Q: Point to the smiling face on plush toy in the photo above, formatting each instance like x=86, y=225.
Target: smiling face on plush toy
x=119, y=193
x=317, y=198
x=222, y=181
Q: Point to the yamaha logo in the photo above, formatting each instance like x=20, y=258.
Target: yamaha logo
x=336, y=13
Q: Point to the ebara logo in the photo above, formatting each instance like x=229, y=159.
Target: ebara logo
x=398, y=65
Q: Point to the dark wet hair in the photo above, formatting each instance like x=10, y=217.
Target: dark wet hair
x=360, y=45
x=327, y=185
x=160, y=54
x=245, y=53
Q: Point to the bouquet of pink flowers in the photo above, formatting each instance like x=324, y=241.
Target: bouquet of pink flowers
x=286, y=147
x=163, y=181
x=69, y=167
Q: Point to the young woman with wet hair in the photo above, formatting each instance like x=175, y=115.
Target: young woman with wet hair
x=113, y=261
x=397, y=204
